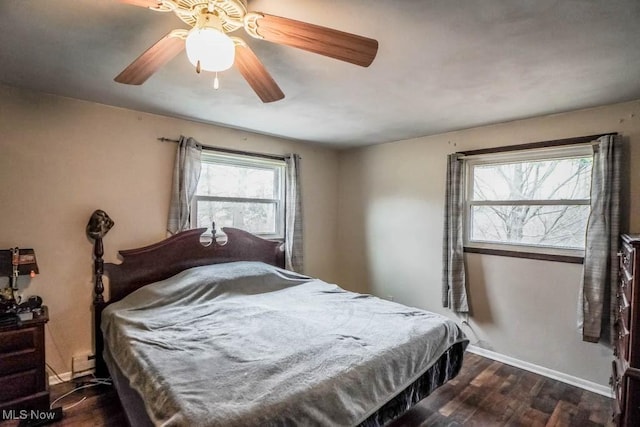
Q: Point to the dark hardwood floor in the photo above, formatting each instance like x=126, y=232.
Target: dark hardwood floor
x=485, y=393
x=489, y=393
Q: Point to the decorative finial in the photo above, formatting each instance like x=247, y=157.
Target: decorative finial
x=99, y=224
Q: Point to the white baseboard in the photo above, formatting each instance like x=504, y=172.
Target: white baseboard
x=550, y=373
x=68, y=376
x=65, y=376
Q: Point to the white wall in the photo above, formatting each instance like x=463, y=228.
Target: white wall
x=60, y=159
x=390, y=235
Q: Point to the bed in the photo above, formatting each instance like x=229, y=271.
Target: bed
x=223, y=335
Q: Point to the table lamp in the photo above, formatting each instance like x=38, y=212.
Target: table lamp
x=16, y=262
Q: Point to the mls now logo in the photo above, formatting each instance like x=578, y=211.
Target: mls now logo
x=28, y=414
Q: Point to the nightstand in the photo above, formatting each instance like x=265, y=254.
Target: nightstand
x=23, y=377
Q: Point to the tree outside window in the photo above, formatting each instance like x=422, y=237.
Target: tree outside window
x=240, y=192
x=532, y=202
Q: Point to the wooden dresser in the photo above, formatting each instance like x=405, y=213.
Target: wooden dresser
x=626, y=366
x=23, y=377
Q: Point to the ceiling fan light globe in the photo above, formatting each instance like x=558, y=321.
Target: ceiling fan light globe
x=214, y=49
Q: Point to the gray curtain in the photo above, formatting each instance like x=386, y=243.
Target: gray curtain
x=294, y=259
x=600, y=270
x=186, y=174
x=454, y=292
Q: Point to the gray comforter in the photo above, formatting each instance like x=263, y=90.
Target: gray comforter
x=248, y=344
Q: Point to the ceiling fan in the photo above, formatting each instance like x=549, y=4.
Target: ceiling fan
x=209, y=48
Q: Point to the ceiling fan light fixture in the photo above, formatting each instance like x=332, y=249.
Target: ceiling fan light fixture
x=209, y=48
x=209, y=45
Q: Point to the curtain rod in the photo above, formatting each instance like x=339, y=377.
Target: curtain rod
x=535, y=145
x=230, y=151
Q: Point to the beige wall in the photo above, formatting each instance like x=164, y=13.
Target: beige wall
x=60, y=159
x=390, y=235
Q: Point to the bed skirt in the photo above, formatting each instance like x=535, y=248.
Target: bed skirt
x=444, y=369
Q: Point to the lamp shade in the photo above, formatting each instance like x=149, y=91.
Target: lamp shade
x=214, y=49
x=27, y=264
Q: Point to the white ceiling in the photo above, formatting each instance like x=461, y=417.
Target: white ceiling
x=442, y=65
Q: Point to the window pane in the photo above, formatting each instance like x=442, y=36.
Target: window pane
x=555, y=226
x=533, y=180
x=257, y=218
x=226, y=180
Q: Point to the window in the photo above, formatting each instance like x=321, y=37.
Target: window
x=529, y=201
x=242, y=192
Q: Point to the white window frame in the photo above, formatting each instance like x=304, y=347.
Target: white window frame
x=256, y=163
x=554, y=153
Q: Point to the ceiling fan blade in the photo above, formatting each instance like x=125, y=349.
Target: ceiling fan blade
x=254, y=72
x=151, y=60
x=143, y=3
x=321, y=40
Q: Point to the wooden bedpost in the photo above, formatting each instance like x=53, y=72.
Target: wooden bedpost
x=98, y=306
x=98, y=226
x=98, y=271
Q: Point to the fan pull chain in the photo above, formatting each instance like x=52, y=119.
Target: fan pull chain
x=216, y=82
x=198, y=67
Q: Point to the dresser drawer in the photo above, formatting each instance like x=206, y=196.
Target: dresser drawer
x=621, y=349
x=17, y=361
x=23, y=376
x=17, y=340
x=18, y=385
x=626, y=259
x=621, y=341
x=625, y=378
x=625, y=283
x=623, y=309
x=617, y=385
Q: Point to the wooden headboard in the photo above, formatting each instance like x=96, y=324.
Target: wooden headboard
x=164, y=259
